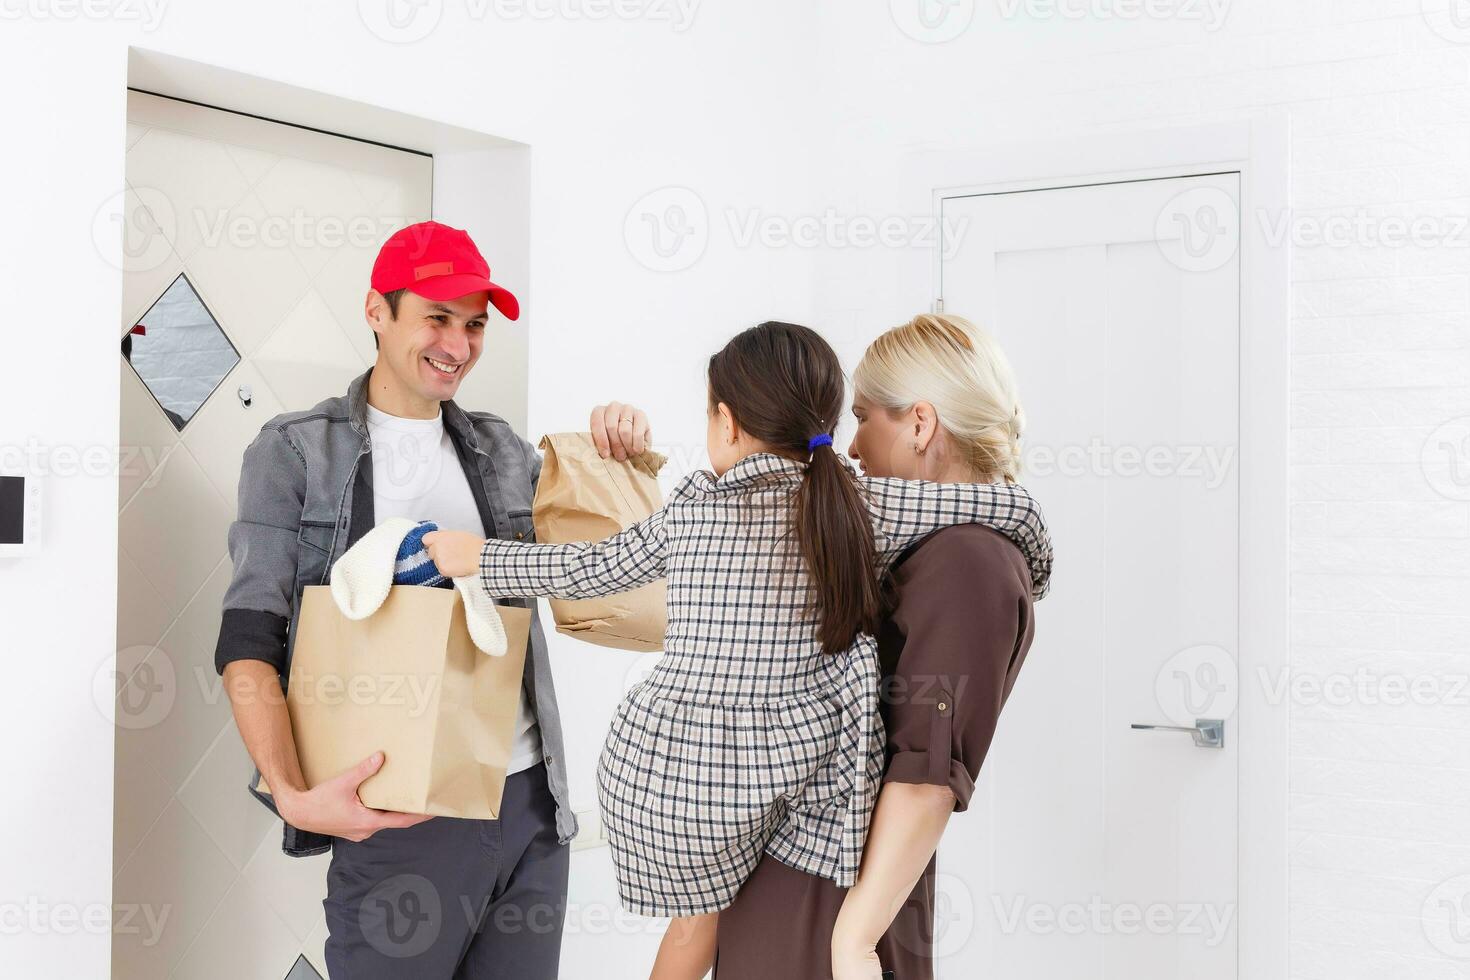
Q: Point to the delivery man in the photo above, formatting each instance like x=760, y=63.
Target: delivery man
x=408, y=895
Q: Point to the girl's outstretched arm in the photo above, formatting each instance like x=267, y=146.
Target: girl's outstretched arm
x=626, y=560
x=906, y=510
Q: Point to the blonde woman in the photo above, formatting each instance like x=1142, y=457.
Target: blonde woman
x=935, y=400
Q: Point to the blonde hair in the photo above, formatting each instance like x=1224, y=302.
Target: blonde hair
x=960, y=370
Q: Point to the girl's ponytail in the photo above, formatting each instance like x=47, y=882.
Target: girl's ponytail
x=832, y=525
x=784, y=385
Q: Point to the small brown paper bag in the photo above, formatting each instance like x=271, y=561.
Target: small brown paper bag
x=407, y=680
x=583, y=497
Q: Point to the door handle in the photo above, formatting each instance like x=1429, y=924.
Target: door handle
x=1209, y=733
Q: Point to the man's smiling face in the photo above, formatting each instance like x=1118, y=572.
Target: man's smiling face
x=431, y=344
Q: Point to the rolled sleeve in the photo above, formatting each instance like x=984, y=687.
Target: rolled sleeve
x=956, y=637
x=248, y=634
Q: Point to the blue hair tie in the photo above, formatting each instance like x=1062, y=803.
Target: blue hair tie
x=821, y=440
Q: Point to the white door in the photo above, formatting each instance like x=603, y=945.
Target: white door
x=248, y=246
x=1094, y=849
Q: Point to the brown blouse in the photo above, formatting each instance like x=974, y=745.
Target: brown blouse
x=951, y=646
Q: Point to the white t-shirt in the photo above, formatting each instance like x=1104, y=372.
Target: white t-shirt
x=416, y=474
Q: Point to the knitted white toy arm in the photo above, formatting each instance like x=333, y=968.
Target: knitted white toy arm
x=582, y=570
x=481, y=618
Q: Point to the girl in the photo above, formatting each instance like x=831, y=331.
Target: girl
x=934, y=399
x=758, y=730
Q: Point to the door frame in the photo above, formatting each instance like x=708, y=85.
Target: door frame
x=1258, y=149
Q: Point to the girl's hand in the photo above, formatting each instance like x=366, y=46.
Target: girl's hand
x=855, y=962
x=619, y=430
x=455, y=553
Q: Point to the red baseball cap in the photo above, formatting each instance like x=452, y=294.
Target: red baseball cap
x=438, y=262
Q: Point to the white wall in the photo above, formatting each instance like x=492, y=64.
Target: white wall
x=773, y=109
x=1379, y=110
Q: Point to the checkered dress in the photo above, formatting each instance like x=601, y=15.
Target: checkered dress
x=745, y=737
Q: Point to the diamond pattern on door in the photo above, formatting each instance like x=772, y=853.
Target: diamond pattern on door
x=303, y=971
x=317, y=210
x=198, y=178
x=179, y=351
x=251, y=284
x=210, y=195
x=309, y=353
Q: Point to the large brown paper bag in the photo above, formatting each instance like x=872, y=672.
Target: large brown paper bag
x=407, y=680
x=583, y=497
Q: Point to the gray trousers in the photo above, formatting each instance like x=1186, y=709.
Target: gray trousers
x=452, y=899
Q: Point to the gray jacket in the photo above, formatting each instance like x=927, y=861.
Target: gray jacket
x=306, y=496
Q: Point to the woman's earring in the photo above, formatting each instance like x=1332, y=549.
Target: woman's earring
x=917, y=450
